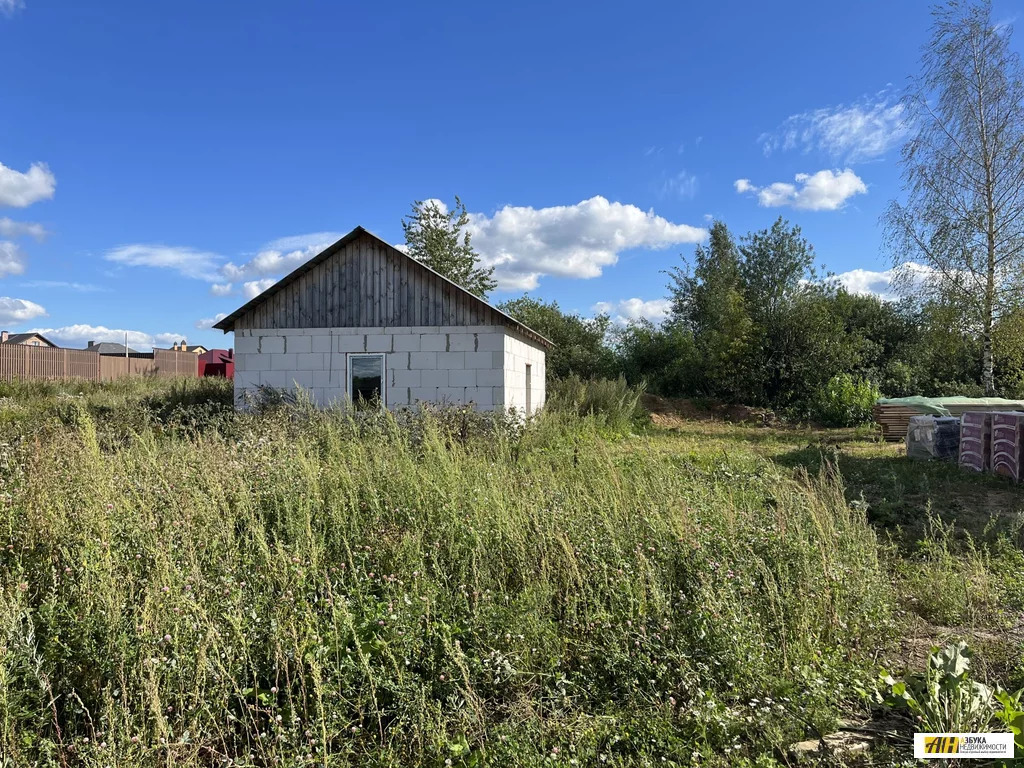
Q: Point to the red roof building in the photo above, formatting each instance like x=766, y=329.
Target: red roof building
x=217, y=362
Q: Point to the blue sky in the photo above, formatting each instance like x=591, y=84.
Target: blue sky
x=160, y=163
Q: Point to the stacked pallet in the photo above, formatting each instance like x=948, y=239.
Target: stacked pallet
x=976, y=441
x=1007, y=442
x=894, y=420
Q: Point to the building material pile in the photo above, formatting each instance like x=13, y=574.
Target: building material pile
x=1007, y=441
x=976, y=441
x=893, y=414
x=894, y=420
x=933, y=437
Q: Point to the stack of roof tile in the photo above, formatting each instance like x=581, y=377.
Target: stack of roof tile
x=1007, y=441
x=976, y=441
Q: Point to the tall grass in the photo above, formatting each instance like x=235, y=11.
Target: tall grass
x=311, y=591
x=612, y=402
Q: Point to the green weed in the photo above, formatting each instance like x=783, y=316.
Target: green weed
x=297, y=588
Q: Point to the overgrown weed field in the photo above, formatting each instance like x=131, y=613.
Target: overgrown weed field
x=184, y=586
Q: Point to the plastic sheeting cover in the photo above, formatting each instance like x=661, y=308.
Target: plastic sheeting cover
x=933, y=437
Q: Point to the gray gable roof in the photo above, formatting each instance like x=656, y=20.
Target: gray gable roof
x=20, y=338
x=111, y=348
x=340, y=293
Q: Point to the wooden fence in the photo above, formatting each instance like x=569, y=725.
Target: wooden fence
x=21, y=361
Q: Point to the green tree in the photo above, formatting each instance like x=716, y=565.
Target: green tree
x=580, y=343
x=791, y=347
x=662, y=356
x=709, y=303
x=1008, y=351
x=950, y=350
x=777, y=267
x=964, y=212
x=438, y=238
x=884, y=340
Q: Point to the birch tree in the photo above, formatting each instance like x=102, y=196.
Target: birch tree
x=440, y=238
x=963, y=172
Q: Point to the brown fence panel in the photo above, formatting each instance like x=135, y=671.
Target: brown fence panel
x=140, y=366
x=112, y=367
x=44, y=362
x=21, y=361
x=12, y=362
x=83, y=364
x=171, y=363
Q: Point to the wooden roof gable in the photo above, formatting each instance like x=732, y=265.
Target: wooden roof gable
x=364, y=281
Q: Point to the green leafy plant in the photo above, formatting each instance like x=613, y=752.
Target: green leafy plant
x=843, y=402
x=1012, y=714
x=945, y=698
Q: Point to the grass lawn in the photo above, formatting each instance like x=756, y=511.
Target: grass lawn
x=953, y=540
x=181, y=585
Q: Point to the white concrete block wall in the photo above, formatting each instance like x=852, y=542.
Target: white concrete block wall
x=517, y=355
x=483, y=365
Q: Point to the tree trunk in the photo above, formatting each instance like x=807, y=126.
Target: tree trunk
x=988, y=380
x=987, y=367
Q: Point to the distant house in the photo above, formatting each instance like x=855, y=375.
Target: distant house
x=197, y=349
x=363, y=322
x=111, y=348
x=28, y=339
x=217, y=362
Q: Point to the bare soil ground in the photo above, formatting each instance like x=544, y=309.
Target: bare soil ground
x=674, y=412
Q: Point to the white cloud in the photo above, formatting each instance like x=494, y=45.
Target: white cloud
x=525, y=243
x=12, y=228
x=825, y=190
x=301, y=242
x=278, y=257
x=200, y=265
x=12, y=259
x=869, y=282
x=80, y=287
x=625, y=310
x=209, y=322
x=683, y=185
x=254, y=288
x=850, y=133
x=18, y=190
x=270, y=262
x=211, y=267
x=14, y=311
x=8, y=7
x=436, y=203
x=1004, y=25
x=81, y=334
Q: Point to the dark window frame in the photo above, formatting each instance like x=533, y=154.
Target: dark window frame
x=383, y=375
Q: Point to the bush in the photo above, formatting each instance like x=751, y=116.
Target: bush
x=662, y=356
x=843, y=402
x=615, y=403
